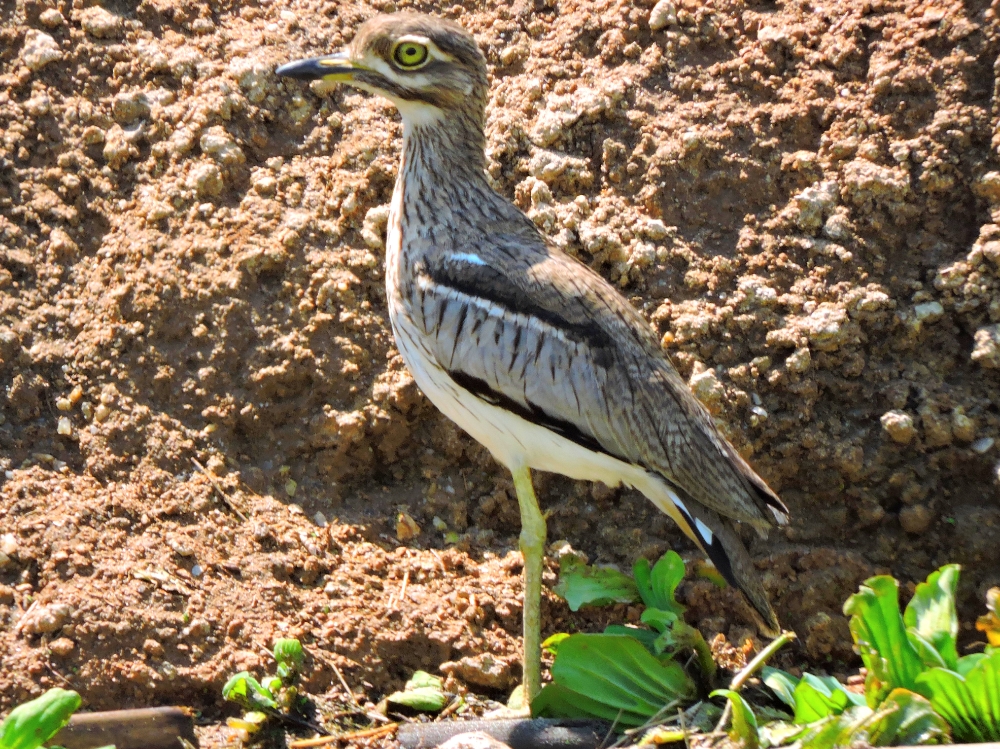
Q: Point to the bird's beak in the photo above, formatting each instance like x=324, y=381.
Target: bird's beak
x=336, y=68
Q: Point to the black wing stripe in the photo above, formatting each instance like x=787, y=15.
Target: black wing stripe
x=531, y=412
x=491, y=285
x=712, y=544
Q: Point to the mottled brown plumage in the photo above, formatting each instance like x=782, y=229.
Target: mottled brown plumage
x=530, y=351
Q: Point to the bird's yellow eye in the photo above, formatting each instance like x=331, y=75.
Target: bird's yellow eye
x=410, y=55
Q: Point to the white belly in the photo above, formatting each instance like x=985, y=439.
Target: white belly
x=513, y=440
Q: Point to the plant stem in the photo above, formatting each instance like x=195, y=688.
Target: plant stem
x=750, y=669
x=688, y=636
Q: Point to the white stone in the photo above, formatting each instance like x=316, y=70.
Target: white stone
x=39, y=49
x=987, y=348
x=899, y=426
x=928, y=311
x=664, y=14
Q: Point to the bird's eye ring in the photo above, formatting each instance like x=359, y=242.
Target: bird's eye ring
x=410, y=55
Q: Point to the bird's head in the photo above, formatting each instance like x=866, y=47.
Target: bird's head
x=428, y=67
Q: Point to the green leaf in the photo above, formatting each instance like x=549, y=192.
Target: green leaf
x=658, y=586
x=582, y=585
x=647, y=637
x=423, y=691
x=818, y=697
x=744, y=721
x=556, y=700
x=289, y=651
x=929, y=655
x=551, y=644
x=968, y=699
x=781, y=683
x=903, y=718
x=931, y=612
x=836, y=731
x=615, y=672
x=780, y=733
x=658, y=619
x=30, y=725
x=881, y=638
x=906, y=719
x=247, y=691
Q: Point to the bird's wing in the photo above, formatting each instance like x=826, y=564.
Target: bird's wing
x=580, y=360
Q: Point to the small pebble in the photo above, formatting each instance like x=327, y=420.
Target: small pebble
x=152, y=648
x=406, y=527
x=8, y=544
x=51, y=18
x=62, y=646
x=899, y=426
x=982, y=445
x=65, y=427
x=916, y=519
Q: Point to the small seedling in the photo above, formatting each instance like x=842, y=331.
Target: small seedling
x=276, y=696
x=424, y=692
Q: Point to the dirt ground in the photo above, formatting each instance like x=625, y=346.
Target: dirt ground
x=207, y=435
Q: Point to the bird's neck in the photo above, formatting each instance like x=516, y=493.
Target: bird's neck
x=447, y=147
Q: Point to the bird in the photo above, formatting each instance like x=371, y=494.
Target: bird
x=529, y=350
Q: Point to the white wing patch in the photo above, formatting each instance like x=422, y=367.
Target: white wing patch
x=704, y=530
x=467, y=257
x=698, y=525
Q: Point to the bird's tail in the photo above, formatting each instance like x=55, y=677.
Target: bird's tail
x=718, y=538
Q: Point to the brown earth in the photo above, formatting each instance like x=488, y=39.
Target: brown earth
x=803, y=197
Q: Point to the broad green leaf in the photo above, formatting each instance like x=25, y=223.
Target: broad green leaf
x=906, y=719
x=903, y=718
x=818, y=697
x=582, y=585
x=30, y=725
x=557, y=701
x=781, y=683
x=423, y=691
x=618, y=673
x=744, y=721
x=837, y=730
x=647, y=637
x=881, y=639
x=657, y=586
x=970, y=702
x=249, y=692
x=931, y=612
x=929, y=655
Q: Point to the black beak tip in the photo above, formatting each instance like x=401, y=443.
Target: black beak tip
x=303, y=70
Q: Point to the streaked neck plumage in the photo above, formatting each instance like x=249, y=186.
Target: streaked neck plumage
x=442, y=198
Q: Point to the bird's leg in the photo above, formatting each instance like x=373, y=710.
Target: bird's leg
x=533, y=551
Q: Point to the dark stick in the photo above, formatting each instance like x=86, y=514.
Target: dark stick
x=147, y=728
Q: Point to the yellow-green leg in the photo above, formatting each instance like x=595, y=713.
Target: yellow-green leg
x=533, y=550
